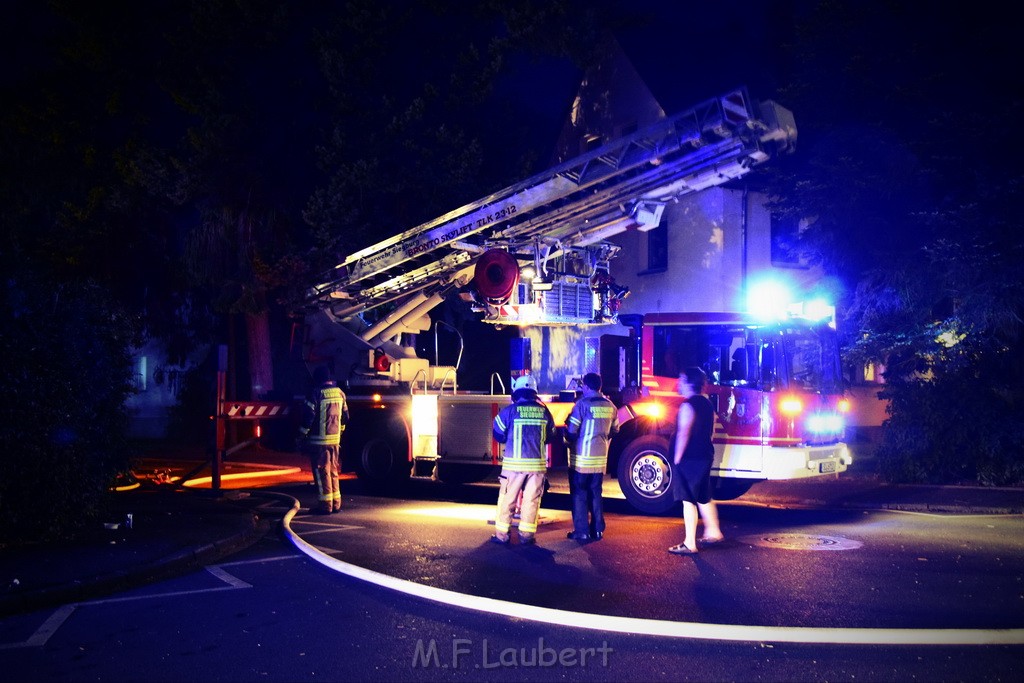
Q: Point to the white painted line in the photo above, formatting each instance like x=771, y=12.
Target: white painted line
x=43, y=633
x=57, y=619
x=234, y=583
x=172, y=594
x=50, y=626
x=340, y=527
x=313, y=522
x=258, y=561
x=229, y=579
x=670, y=629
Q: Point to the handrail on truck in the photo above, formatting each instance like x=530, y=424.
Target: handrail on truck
x=412, y=384
x=455, y=388
x=458, y=359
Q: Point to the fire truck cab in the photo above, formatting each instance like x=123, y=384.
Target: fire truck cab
x=776, y=386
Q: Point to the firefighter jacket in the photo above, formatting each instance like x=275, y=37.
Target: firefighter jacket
x=591, y=425
x=326, y=414
x=525, y=427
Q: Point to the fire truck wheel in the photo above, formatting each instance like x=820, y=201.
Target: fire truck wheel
x=645, y=476
x=383, y=456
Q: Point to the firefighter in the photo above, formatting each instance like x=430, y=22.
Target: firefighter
x=591, y=425
x=326, y=414
x=525, y=427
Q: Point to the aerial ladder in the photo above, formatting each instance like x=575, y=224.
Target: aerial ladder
x=558, y=222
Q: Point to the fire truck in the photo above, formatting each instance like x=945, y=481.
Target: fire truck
x=538, y=253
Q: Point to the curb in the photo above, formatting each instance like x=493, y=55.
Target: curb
x=951, y=508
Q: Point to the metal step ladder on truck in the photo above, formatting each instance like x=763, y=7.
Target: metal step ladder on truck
x=776, y=387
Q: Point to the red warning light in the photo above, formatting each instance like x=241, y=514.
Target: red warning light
x=381, y=363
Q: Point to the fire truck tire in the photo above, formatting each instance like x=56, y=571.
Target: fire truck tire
x=382, y=458
x=645, y=475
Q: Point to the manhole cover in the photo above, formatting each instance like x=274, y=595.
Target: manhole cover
x=802, y=542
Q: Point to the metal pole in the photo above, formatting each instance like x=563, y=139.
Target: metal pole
x=744, y=218
x=221, y=416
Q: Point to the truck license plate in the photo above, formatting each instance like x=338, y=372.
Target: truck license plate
x=829, y=466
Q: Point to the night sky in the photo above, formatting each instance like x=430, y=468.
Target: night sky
x=885, y=96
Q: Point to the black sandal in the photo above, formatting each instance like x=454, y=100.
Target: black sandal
x=681, y=550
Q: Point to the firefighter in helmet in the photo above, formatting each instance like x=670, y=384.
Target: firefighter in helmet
x=525, y=427
x=326, y=414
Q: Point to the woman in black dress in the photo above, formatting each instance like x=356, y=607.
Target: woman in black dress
x=693, y=454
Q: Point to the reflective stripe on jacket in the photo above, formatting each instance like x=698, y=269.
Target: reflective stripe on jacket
x=591, y=424
x=525, y=427
x=326, y=415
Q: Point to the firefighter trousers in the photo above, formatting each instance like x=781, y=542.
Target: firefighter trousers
x=532, y=486
x=326, y=466
x=587, y=505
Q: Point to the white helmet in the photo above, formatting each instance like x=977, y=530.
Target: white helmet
x=524, y=382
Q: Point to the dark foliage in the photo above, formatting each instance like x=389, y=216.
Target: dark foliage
x=62, y=416
x=914, y=203
x=957, y=423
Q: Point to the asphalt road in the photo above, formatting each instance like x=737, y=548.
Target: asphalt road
x=270, y=615
x=779, y=567
x=274, y=614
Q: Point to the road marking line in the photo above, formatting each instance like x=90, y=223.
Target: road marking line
x=258, y=561
x=657, y=627
x=229, y=579
x=327, y=525
x=234, y=583
x=43, y=633
x=342, y=527
x=57, y=619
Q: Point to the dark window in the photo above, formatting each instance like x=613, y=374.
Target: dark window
x=709, y=347
x=814, y=360
x=786, y=243
x=801, y=358
x=657, y=248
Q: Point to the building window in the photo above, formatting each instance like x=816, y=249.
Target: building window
x=786, y=243
x=142, y=374
x=657, y=248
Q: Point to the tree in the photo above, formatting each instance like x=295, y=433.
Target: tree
x=238, y=165
x=448, y=115
x=914, y=204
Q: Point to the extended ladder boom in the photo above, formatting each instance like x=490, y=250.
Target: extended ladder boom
x=577, y=203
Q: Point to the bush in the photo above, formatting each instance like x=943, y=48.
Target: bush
x=64, y=380
x=961, y=427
